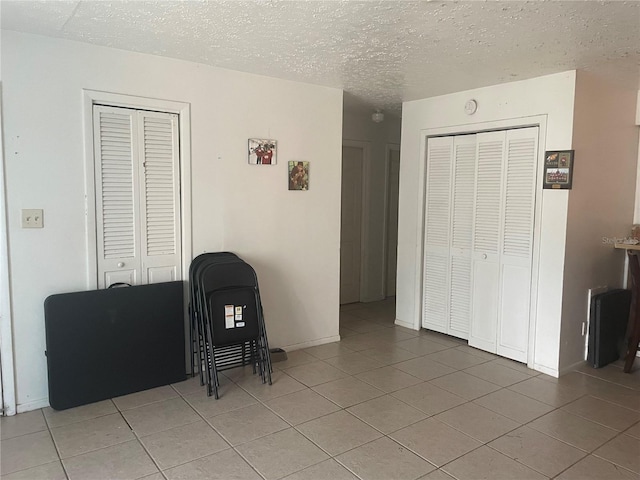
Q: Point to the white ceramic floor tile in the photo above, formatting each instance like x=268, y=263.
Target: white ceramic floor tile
x=574, y=430
x=384, y=459
x=386, y=413
x=327, y=470
x=145, y=397
x=485, y=463
x=594, y=468
x=477, y=422
x=123, y=461
x=183, y=444
x=281, y=454
x=338, y=432
x=623, y=450
x=348, y=391
x=49, y=471
x=89, y=435
x=57, y=418
x=302, y=406
x=246, y=424
x=435, y=441
x=26, y=451
x=603, y=412
x=22, y=424
x=537, y=451
x=160, y=416
x=225, y=465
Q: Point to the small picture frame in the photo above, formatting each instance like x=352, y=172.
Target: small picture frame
x=262, y=151
x=558, y=169
x=298, y=175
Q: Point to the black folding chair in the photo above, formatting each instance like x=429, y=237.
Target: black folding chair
x=227, y=318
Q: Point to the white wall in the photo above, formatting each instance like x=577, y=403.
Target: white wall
x=601, y=202
x=361, y=128
x=550, y=96
x=291, y=238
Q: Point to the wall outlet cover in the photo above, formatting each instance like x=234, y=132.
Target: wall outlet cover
x=32, y=218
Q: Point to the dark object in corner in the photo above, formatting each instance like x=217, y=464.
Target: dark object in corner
x=278, y=355
x=609, y=316
x=106, y=343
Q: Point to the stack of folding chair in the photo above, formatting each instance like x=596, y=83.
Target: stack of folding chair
x=227, y=322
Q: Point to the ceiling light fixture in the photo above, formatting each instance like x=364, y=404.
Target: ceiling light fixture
x=377, y=116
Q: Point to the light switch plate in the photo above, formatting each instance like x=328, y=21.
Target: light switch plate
x=32, y=218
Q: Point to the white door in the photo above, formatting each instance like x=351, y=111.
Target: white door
x=137, y=196
x=160, y=200
x=462, y=202
x=449, y=202
x=437, y=234
x=487, y=226
x=517, y=244
x=351, y=220
x=503, y=241
x=392, y=221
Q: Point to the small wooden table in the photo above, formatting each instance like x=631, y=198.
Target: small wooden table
x=633, y=327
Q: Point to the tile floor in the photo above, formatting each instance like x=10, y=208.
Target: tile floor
x=384, y=403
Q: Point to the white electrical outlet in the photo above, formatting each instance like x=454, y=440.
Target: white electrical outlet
x=32, y=218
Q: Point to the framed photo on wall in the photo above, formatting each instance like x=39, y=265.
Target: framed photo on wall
x=262, y=151
x=558, y=169
x=298, y=175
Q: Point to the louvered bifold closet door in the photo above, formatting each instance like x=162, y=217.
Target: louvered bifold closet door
x=517, y=245
x=487, y=235
x=116, y=180
x=159, y=197
x=437, y=228
x=463, y=181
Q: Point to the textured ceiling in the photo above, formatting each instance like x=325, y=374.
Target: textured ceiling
x=380, y=52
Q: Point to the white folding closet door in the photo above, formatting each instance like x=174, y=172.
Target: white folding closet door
x=117, y=210
x=463, y=179
x=487, y=230
x=437, y=234
x=503, y=241
x=160, y=200
x=448, y=227
x=137, y=196
x=517, y=244
x=478, y=238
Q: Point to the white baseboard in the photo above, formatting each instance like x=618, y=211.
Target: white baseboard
x=410, y=326
x=546, y=370
x=312, y=343
x=33, y=405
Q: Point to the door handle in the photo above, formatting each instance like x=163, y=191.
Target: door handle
x=484, y=256
x=120, y=264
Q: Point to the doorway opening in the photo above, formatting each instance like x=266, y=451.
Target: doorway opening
x=353, y=159
x=391, y=219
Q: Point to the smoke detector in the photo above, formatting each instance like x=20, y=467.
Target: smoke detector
x=377, y=116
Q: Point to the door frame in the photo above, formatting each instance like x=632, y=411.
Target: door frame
x=390, y=147
x=7, y=369
x=539, y=121
x=364, y=228
x=183, y=110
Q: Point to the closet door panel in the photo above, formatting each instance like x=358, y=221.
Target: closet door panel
x=513, y=335
x=517, y=245
x=159, y=197
x=461, y=235
x=486, y=277
x=437, y=233
x=487, y=235
x=117, y=210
